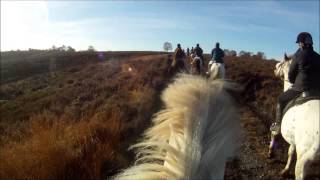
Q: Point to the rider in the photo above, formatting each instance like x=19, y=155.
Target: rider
x=217, y=54
x=304, y=73
x=199, y=52
x=178, y=58
x=196, y=65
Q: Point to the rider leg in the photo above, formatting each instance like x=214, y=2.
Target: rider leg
x=283, y=100
x=275, y=128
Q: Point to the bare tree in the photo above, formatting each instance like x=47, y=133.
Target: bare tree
x=167, y=46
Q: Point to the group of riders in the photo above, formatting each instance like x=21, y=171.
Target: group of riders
x=193, y=60
x=304, y=71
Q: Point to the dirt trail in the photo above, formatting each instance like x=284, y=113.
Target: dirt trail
x=251, y=162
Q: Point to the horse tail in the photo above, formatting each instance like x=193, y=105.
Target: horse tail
x=196, y=130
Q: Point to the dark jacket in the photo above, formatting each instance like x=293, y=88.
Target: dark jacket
x=199, y=52
x=304, y=70
x=217, y=55
x=179, y=54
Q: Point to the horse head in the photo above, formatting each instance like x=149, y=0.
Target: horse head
x=282, y=71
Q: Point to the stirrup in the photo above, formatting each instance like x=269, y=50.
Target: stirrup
x=275, y=128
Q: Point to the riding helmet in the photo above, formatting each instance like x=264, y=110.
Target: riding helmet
x=304, y=37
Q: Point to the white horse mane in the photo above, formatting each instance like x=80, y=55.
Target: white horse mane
x=193, y=135
x=282, y=70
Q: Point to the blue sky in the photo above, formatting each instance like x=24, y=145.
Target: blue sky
x=267, y=26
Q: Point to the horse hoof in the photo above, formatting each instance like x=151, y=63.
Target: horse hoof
x=284, y=173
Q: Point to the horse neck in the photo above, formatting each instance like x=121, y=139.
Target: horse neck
x=213, y=132
x=201, y=125
x=282, y=70
x=286, y=83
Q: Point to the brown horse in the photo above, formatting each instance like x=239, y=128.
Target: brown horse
x=196, y=65
x=177, y=65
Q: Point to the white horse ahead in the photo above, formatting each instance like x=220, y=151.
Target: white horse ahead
x=300, y=128
x=216, y=70
x=193, y=136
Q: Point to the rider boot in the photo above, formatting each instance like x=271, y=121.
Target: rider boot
x=275, y=130
x=276, y=126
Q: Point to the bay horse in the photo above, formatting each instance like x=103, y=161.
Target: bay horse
x=300, y=128
x=193, y=136
x=196, y=65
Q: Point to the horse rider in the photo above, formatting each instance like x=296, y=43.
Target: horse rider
x=304, y=74
x=178, y=59
x=217, y=54
x=188, y=52
x=196, y=65
x=199, y=52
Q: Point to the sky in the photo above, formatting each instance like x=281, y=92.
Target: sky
x=269, y=26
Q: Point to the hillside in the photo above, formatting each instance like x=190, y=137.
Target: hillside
x=72, y=119
x=72, y=116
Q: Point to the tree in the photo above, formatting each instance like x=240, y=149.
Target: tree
x=91, y=49
x=228, y=52
x=54, y=48
x=70, y=49
x=167, y=46
x=245, y=54
x=261, y=55
x=233, y=53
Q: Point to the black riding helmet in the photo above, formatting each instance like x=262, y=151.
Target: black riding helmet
x=304, y=37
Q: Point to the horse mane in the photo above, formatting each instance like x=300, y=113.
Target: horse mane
x=279, y=70
x=282, y=70
x=202, y=119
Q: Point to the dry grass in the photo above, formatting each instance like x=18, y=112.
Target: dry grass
x=78, y=124
x=57, y=148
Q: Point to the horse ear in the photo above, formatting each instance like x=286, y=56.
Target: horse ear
x=286, y=58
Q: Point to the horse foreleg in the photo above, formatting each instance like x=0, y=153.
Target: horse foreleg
x=291, y=153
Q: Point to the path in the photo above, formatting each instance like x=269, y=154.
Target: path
x=252, y=164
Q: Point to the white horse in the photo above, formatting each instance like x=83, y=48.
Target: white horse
x=300, y=128
x=193, y=136
x=216, y=70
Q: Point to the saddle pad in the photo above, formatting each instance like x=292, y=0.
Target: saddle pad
x=300, y=100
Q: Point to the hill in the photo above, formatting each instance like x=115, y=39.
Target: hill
x=73, y=115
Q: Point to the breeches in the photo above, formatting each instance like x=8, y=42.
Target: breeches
x=287, y=96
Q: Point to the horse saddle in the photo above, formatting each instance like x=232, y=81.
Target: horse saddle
x=302, y=98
